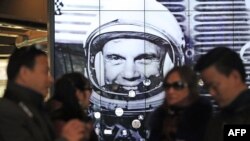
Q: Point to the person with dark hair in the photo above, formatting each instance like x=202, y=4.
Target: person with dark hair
x=23, y=116
x=223, y=73
x=184, y=113
x=70, y=101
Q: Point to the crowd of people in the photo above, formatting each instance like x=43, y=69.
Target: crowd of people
x=184, y=115
x=134, y=64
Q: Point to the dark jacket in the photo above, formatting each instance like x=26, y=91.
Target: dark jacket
x=23, y=117
x=238, y=112
x=60, y=114
x=191, y=122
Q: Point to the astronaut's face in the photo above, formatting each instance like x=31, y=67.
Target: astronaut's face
x=127, y=62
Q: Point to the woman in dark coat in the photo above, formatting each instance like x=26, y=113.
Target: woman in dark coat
x=184, y=114
x=71, y=101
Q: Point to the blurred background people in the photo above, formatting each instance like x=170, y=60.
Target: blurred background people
x=23, y=116
x=223, y=73
x=184, y=114
x=71, y=101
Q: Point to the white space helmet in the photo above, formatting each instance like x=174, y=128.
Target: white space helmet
x=132, y=19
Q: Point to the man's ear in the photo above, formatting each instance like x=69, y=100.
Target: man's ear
x=235, y=75
x=23, y=73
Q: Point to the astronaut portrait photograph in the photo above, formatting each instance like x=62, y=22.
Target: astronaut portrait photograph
x=126, y=47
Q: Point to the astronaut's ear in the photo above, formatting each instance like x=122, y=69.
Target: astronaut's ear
x=167, y=64
x=99, y=68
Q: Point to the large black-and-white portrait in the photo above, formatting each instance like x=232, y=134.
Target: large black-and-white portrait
x=125, y=48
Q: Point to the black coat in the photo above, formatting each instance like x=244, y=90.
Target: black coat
x=191, y=121
x=62, y=114
x=23, y=117
x=238, y=112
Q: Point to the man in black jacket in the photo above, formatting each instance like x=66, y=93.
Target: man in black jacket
x=23, y=116
x=224, y=75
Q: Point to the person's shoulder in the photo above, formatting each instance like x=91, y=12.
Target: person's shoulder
x=201, y=105
x=204, y=101
x=245, y=93
x=10, y=108
x=248, y=91
x=6, y=102
x=156, y=118
x=55, y=110
x=158, y=113
x=159, y=110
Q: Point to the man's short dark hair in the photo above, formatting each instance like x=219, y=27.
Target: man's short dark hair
x=24, y=56
x=225, y=61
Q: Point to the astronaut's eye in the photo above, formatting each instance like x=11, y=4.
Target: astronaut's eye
x=147, y=58
x=114, y=59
